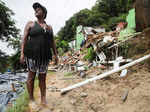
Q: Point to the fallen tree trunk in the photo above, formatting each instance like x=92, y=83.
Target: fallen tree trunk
x=64, y=90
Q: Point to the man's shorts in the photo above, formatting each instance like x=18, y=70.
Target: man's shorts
x=35, y=66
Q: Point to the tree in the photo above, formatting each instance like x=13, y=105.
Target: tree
x=14, y=43
x=3, y=61
x=8, y=33
x=14, y=60
x=7, y=25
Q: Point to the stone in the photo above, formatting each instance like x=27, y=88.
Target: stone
x=73, y=101
x=82, y=74
x=83, y=94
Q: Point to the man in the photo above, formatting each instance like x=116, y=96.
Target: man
x=36, y=50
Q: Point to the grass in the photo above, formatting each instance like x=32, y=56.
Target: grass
x=50, y=72
x=21, y=103
x=68, y=74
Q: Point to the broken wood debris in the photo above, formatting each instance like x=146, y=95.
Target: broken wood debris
x=101, y=41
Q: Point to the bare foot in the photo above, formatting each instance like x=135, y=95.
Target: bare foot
x=44, y=102
x=33, y=106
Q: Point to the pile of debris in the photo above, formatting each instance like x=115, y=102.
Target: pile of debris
x=106, y=45
x=70, y=62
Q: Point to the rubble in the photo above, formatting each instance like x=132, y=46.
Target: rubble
x=106, y=45
x=83, y=94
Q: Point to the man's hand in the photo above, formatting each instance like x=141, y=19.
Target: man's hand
x=56, y=59
x=22, y=59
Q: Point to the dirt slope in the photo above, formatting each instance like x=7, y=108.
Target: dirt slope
x=101, y=96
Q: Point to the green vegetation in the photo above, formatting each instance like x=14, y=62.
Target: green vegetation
x=90, y=54
x=105, y=13
x=8, y=33
x=68, y=74
x=50, y=72
x=3, y=61
x=21, y=104
x=7, y=24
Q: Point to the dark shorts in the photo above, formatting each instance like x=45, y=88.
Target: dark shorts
x=34, y=66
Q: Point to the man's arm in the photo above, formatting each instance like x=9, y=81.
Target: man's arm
x=25, y=36
x=53, y=42
x=53, y=45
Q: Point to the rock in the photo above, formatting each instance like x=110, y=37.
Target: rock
x=59, y=110
x=124, y=97
x=73, y=101
x=94, y=64
x=80, y=68
x=52, y=82
x=83, y=94
x=80, y=63
x=82, y=74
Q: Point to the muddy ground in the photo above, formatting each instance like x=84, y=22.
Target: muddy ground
x=111, y=94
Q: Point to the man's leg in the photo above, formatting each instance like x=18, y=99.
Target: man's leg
x=30, y=84
x=42, y=85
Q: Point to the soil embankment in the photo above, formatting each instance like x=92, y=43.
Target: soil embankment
x=104, y=95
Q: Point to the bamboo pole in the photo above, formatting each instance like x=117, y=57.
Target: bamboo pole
x=64, y=90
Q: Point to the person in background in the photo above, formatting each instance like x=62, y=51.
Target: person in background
x=36, y=50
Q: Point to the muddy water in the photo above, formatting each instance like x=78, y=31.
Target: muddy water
x=7, y=93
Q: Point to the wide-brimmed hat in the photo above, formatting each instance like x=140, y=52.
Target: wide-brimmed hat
x=38, y=5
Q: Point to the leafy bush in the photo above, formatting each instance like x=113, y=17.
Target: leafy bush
x=90, y=54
